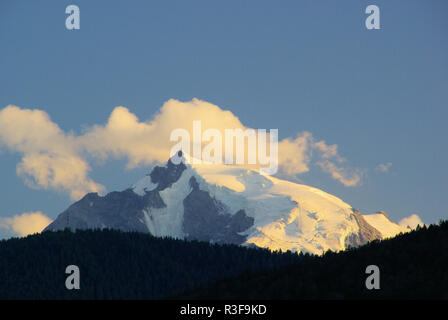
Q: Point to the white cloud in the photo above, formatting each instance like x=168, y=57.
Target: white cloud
x=383, y=167
x=295, y=154
x=26, y=223
x=143, y=142
x=327, y=151
x=51, y=158
x=412, y=221
x=348, y=179
x=54, y=159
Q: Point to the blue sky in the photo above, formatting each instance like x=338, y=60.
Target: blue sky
x=380, y=95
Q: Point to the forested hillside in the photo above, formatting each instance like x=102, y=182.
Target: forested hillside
x=129, y=265
x=120, y=265
x=412, y=266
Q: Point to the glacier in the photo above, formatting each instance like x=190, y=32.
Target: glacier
x=229, y=204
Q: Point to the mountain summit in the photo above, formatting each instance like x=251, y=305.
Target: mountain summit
x=227, y=204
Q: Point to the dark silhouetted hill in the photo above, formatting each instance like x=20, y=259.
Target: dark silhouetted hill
x=130, y=265
x=120, y=265
x=412, y=266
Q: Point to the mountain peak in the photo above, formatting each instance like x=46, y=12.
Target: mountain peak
x=165, y=176
x=177, y=200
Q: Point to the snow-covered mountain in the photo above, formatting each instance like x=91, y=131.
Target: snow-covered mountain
x=224, y=204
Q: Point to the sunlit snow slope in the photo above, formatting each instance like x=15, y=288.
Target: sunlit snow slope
x=286, y=215
x=228, y=204
x=382, y=223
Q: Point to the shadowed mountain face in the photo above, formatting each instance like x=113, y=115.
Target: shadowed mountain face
x=204, y=218
x=117, y=210
x=207, y=219
x=164, y=177
x=366, y=232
